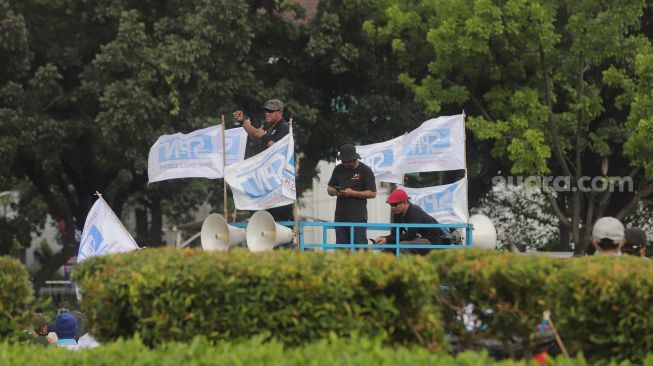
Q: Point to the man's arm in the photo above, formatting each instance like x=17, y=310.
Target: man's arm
x=370, y=185
x=333, y=183
x=366, y=194
x=239, y=117
x=253, y=131
x=332, y=191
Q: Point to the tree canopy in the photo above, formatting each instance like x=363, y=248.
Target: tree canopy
x=87, y=87
x=558, y=87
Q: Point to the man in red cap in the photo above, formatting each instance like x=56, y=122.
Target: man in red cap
x=408, y=213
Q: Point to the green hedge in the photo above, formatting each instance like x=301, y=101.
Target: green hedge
x=327, y=352
x=601, y=305
x=604, y=306
x=16, y=295
x=508, y=293
x=167, y=295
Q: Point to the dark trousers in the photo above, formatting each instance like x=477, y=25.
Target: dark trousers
x=342, y=235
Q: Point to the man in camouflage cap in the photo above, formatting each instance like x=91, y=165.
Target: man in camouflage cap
x=39, y=329
x=274, y=129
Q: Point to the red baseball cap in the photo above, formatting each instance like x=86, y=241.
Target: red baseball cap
x=398, y=195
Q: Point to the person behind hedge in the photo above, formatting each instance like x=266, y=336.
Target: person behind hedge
x=65, y=326
x=39, y=331
x=408, y=213
x=636, y=242
x=353, y=183
x=608, y=236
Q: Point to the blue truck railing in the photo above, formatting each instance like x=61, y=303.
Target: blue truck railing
x=395, y=227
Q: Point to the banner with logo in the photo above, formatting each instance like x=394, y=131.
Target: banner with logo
x=446, y=203
x=381, y=158
x=235, y=140
x=103, y=233
x=195, y=155
x=265, y=180
x=437, y=145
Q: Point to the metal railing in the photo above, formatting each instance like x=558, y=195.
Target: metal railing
x=61, y=293
x=325, y=245
x=395, y=227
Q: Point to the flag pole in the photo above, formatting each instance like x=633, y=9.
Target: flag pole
x=224, y=164
x=295, y=207
x=466, y=179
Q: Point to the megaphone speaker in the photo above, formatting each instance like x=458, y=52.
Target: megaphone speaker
x=217, y=235
x=264, y=234
x=485, y=234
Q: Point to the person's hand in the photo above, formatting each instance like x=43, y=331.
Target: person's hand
x=52, y=337
x=332, y=191
x=380, y=240
x=239, y=116
x=347, y=192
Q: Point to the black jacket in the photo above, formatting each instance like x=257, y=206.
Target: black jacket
x=415, y=215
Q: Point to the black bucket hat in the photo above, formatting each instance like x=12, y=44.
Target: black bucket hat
x=348, y=153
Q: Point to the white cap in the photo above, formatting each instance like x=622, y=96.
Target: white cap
x=608, y=228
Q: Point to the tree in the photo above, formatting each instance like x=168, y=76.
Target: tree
x=535, y=78
x=91, y=86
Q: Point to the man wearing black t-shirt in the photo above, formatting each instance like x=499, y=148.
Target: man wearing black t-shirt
x=353, y=183
x=274, y=129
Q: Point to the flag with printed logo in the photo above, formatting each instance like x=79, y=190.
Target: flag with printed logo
x=437, y=145
x=198, y=154
x=235, y=140
x=103, y=233
x=265, y=180
x=446, y=203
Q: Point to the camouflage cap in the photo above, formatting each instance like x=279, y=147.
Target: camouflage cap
x=38, y=321
x=273, y=105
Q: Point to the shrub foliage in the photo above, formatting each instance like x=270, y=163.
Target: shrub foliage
x=600, y=305
x=167, y=295
x=16, y=295
x=327, y=352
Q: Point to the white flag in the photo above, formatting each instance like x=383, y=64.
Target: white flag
x=195, y=155
x=446, y=203
x=437, y=145
x=380, y=157
x=103, y=233
x=235, y=140
x=265, y=180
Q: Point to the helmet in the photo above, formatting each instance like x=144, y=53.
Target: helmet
x=398, y=195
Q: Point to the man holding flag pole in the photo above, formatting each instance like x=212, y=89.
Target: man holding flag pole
x=274, y=129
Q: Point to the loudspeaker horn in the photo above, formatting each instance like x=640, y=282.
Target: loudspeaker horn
x=265, y=234
x=485, y=234
x=217, y=235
